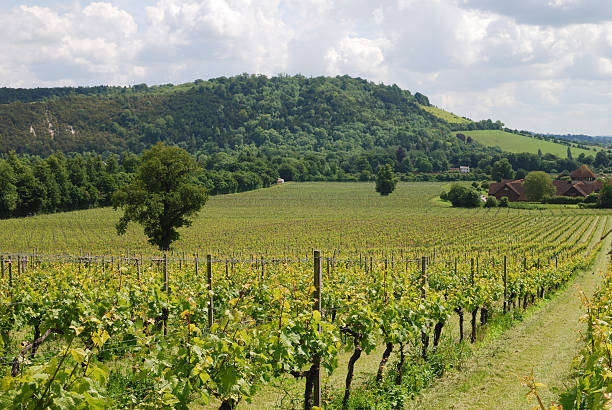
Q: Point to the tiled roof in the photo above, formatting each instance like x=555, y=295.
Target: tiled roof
x=582, y=173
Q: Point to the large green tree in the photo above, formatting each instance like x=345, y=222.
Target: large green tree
x=537, y=185
x=162, y=196
x=8, y=191
x=385, y=180
x=605, y=196
x=502, y=169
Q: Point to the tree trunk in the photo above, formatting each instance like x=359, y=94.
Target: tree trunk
x=228, y=404
x=459, y=311
x=383, y=361
x=425, y=341
x=309, y=387
x=36, y=336
x=437, y=333
x=351, y=368
x=35, y=344
x=484, y=315
x=473, y=336
x=400, y=366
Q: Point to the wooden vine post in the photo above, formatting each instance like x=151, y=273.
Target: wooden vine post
x=505, y=285
x=262, y=268
x=166, y=288
x=210, y=295
x=2, y=267
x=475, y=311
x=165, y=275
x=424, y=285
x=317, y=306
x=10, y=276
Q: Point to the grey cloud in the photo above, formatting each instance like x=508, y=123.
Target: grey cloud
x=546, y=12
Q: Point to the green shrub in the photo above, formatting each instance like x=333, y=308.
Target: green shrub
x=591, y=198
x=491, y=202
x=462, y=196
x=563, y=200
x=503, y=202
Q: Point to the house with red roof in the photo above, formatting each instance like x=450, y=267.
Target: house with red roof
x=583, y=183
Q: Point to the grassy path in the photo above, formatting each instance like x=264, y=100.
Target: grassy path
x=546, y=341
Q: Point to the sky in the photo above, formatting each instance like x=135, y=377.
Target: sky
x=538, y=65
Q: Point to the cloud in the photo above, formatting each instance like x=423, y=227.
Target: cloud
x=481, y=58
x=249, y=36
x=46, y=47
x=357, y=56
x=546, y=12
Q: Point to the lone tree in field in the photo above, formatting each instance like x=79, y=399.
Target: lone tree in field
x=537, y=185
x=162, y=196
x=385, y=180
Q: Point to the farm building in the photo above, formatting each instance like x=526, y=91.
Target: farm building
x=463, y=169
x=583, y=183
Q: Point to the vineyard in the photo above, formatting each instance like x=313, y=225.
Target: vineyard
x=295, y=219
x=184, y=329
x=593, y=364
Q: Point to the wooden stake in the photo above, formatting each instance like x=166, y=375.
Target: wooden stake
x=505, y=285
x=317, y=306
x=210, y=294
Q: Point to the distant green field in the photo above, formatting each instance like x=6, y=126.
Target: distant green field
x=520, y=143
x=445, y=115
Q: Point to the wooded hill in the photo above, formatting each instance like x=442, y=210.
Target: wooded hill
x=297, y=113
x=245, y=132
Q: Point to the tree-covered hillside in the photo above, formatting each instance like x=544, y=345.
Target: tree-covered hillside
x=245, y=131
x=299, y=113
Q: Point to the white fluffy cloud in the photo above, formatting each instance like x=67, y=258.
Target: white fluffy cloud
x=42, y=46
x=534, y=64
x=358, y=56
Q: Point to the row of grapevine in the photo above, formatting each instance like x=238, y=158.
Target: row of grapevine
x=218, y=329
x=593, y=365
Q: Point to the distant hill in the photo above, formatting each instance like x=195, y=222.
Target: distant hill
x=604, y=141
x=246, y=131
x=512, y=142
x=322, y=128
x=297, y=113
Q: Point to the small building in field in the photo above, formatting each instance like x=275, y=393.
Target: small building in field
x=280, y=181
x=583, y=183
x=463, y=169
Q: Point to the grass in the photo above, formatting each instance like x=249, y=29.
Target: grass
x=445, y=115
x=519, y=143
